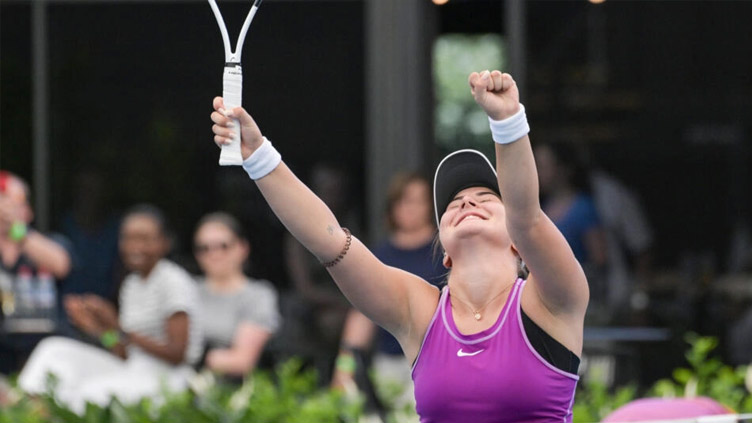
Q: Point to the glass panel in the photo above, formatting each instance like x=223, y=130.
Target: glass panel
x=460, y=123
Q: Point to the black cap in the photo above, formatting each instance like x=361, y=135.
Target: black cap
x=460, y=170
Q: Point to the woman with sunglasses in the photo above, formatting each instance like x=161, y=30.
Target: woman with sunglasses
x=489, y=347
x=240, y=314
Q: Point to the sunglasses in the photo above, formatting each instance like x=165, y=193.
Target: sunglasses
x=201, y=249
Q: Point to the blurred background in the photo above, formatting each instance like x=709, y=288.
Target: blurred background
x=655, y=94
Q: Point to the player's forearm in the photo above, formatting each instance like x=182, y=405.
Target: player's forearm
x=47, y=254
x=518, y=183
x=306, y=217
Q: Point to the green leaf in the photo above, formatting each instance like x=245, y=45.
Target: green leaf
x=682, y=375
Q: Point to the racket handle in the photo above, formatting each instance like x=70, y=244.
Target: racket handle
x=232, y=92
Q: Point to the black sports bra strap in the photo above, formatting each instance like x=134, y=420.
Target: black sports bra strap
x=550, y=349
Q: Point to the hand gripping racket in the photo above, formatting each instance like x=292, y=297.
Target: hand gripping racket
x=232, y=81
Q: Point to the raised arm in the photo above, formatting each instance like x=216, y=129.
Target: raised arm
x=558, y=276
x=47, y=254
x=40, y=249
x=394, y=299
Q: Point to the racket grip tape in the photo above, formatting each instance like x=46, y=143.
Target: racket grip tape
x=232, y=93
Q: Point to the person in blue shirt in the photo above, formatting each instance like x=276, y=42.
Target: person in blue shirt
x=92, y=228
x=410, y=247
x=566, y=199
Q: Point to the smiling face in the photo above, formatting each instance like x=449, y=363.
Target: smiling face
x=142, y=243
x=219, y=251
x=473, y=212
x=413, y=208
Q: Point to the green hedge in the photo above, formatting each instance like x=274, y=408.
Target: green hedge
x=290, y=395
x=706, y=376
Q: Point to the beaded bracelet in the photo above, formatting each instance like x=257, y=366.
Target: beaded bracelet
x=342, y=253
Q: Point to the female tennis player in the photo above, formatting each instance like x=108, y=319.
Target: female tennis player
x=490, y=346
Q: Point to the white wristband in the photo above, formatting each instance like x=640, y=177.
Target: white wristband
x=511, y=129
x=262, y=161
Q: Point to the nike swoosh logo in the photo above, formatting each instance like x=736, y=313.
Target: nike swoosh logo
x=461, y=353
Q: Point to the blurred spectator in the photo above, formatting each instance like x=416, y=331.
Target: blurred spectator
x=262, y=228
x=740, y=250
x=737, y=294
x=410, y=247
x=30, y=266
x=629, y=239
x=93, y=231
x=151, y=342
x=566, y=199
x=738, y=339
x=315, y=311
x=239, y=314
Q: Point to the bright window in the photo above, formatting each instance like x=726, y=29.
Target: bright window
x=459, y=122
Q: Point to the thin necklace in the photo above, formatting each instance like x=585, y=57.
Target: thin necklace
x=476, y=313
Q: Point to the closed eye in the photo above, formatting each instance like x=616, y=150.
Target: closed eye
x=488, y=196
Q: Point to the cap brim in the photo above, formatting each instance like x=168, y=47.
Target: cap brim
x=460, y=170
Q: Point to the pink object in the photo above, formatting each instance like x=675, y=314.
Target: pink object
x=666, y=409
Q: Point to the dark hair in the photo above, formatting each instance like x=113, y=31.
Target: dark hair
x=153, y=212
x=568, y=156
x=224, y=219
x=396, y=191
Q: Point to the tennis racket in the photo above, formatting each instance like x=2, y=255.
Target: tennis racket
x=232, y=81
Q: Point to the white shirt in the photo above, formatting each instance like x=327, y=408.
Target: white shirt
x=147, y=304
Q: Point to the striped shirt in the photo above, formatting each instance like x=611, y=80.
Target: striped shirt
x=147, y=304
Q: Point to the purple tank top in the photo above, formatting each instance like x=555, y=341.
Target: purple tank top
x=493, y=376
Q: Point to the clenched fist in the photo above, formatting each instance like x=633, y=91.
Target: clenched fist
x=496, y=93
